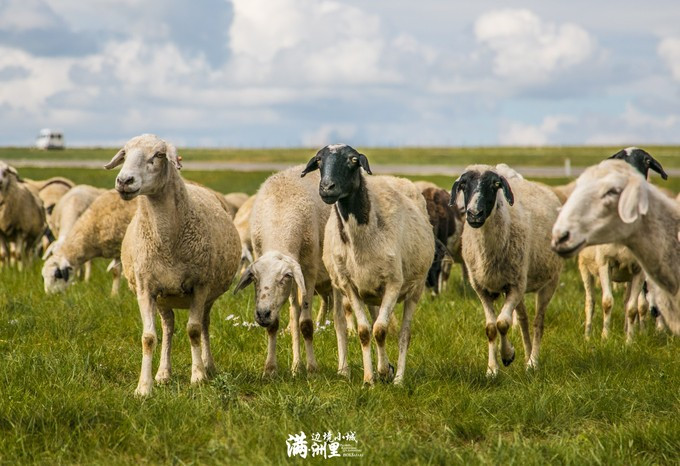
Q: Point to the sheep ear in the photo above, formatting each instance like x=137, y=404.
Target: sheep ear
x=246, y=279
x=171, y=155
x=116, y=160
x=457, y=185
x=13, y=171
x=656, y=166
x=49, y=250
x=299, y=281
x=363, y=161
x=507, y=191
x=633, y=201
x=312, y=165
x=619, y=155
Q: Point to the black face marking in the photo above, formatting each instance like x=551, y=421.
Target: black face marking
x=486, y=185
x=641, y=160
x=342, y=181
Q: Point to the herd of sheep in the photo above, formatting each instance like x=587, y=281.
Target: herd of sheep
x=359, y=242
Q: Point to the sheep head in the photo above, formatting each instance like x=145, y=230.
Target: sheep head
x=6, y=174
x=480, y=187
x=273, y=275
x=340, y=175
x=641, y=160
x=147, y=161
x=609, y=198
x=57, y=274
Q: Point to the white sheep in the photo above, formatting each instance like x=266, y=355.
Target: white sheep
x=181, y=250
x=506, y=247
x=613, y=203
x=98, y=232
x=235, y=201
x=378, y=247
x=22, y=218
x=287, y=231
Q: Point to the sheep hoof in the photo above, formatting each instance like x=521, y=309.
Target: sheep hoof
x=163, y=377
x=532, y=365
x=344, y=372
x=508, y=361
x=269, y=372
x=399, y=381
x=210, y=370
x=143, y=391
x=491, y=373
x=312, y=368
x=389, y=375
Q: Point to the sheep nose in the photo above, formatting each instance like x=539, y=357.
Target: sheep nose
x=559, y=238
x=327, y=185
x=125, y=180
x=262, y=316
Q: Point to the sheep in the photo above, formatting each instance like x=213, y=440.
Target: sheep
x=447, y=226
x=288, y=261
x=181, y=250
x=613, y=203
x=22, y=218
x=50, y=190
x=66, y=213
x=235, y=201
x=378, y=247
x=506, y=247
x=616, y=263
x=563, y=191
x=242, y=224
x=98, y=232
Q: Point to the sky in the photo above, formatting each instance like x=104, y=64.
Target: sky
x=290, y=73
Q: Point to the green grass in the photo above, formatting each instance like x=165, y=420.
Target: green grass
x=669, y=156
x=69, y=365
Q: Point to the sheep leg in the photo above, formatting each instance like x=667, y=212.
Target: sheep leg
x=168, y=324
x=115, y=285
x=147, y=308
x=626, y=297
x=19, y=253
x=588, y=282
x=206, y=353
x=323, y=311
x=523, y=318
x=195, y=332
x=642, y=308
x=270, y=362
x=340, y=324
x=491, y=331
x=503, y=323
x=349, y=317
x=380, y=327
x=294, y=327
x=307, y=326
x=364, y=335
x=631, y=307
x=405, y=336
x=607, y=300
x=88, y=270
x=543, y=297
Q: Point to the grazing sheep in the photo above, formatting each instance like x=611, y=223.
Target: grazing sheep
x=235, y=201
x=181, y=250
x=447, y=225
x=287, y=231
x=242, y=224
x=613, y=203
x=506, y=247
x=378, y=246
x=22, y=218
x=98, y=232
x=50, y=190
x=613, y=262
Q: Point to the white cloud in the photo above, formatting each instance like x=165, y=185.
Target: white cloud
x=669, y=51
x=22, y=15
x=514, y=133
x=529, y=49
x=329, y=134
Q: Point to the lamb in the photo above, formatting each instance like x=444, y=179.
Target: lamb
x=242, y=224
x=506, y=247
x=288, y=261
x=447, y=226
x=616, y=263
x=22, y=219
x=181, y=250
x=378, y=246
x=235, y=201
x=613, y=203
x=98, y=232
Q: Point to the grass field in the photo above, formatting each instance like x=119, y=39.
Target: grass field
x=69, y=365
x=669, y=156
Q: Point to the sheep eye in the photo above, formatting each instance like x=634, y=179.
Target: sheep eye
x=355, y=160
x=612, y=192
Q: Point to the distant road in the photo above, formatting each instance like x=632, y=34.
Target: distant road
x=413, y=170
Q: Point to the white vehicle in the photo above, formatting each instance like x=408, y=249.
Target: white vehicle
x=49, y=139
